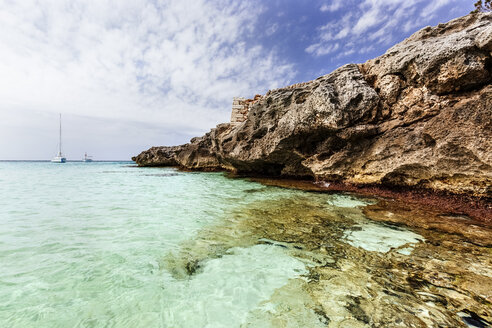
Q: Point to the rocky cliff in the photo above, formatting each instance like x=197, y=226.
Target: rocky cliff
x=419, y=116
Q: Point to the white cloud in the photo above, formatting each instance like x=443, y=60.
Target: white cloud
x=333, y=6
x=430, y=10
x=371, y=23
x=272, y=29
x=319, y=49
x=367, y=20
x=171, y=63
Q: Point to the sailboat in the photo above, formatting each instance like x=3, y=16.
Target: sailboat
x=59, y=158
x=87, y=158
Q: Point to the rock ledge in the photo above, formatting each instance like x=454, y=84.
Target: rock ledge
x=419, y=116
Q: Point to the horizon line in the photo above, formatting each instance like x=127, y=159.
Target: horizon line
x=72, y=160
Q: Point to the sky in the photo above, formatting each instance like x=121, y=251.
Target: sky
x=128, y=75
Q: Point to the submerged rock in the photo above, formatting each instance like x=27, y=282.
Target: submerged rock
x=418, y=116
x=379, y=238
x=361, y=273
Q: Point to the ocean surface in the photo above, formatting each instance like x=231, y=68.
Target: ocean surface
x=113, y=245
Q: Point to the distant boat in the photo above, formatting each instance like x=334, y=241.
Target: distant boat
x=87, y=159
x=59, y=158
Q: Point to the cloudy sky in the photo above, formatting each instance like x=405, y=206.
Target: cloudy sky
x=127, y=75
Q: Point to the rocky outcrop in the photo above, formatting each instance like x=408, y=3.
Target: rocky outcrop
x=420, y=116
x=158, y=156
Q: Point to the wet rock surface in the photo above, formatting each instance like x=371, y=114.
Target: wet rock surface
x=458, y=206
x=371, y=264
x=418, y=116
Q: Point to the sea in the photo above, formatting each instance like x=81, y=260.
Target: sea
x=109, y=244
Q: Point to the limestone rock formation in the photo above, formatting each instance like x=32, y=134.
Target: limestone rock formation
x=420, y=116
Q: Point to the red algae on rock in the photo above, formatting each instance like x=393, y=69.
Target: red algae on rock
x=473, y=210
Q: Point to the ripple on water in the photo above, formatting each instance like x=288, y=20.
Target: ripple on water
x=226, y=289
x=83, y=248
x=200, y=250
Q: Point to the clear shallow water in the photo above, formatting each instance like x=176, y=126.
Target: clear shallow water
x=85, y=245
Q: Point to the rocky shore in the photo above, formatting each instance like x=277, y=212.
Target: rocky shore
x=371, y=263
x=410, y=131
x=417, y=117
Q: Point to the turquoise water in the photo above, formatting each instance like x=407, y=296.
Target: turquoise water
x=86, y=245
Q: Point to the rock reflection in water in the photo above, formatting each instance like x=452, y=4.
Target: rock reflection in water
x=361, y=273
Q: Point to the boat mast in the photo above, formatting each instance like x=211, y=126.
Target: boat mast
x=59, y=151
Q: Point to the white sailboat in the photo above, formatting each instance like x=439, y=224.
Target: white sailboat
x=59, y=158
x=87, y=158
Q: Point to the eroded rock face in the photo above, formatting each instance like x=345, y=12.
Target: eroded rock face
x=420, y=115
x=158, y=156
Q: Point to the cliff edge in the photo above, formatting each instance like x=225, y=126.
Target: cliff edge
x=418, y=116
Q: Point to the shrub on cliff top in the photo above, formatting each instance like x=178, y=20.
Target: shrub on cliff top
x=483, y=6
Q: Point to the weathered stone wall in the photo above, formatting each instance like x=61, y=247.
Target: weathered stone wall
x=240, y=108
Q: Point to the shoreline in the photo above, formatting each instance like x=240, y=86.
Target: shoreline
x=374, y=283
x=477, y=209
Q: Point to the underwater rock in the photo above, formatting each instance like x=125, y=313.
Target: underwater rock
x=361, y=272
x=380, y=238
